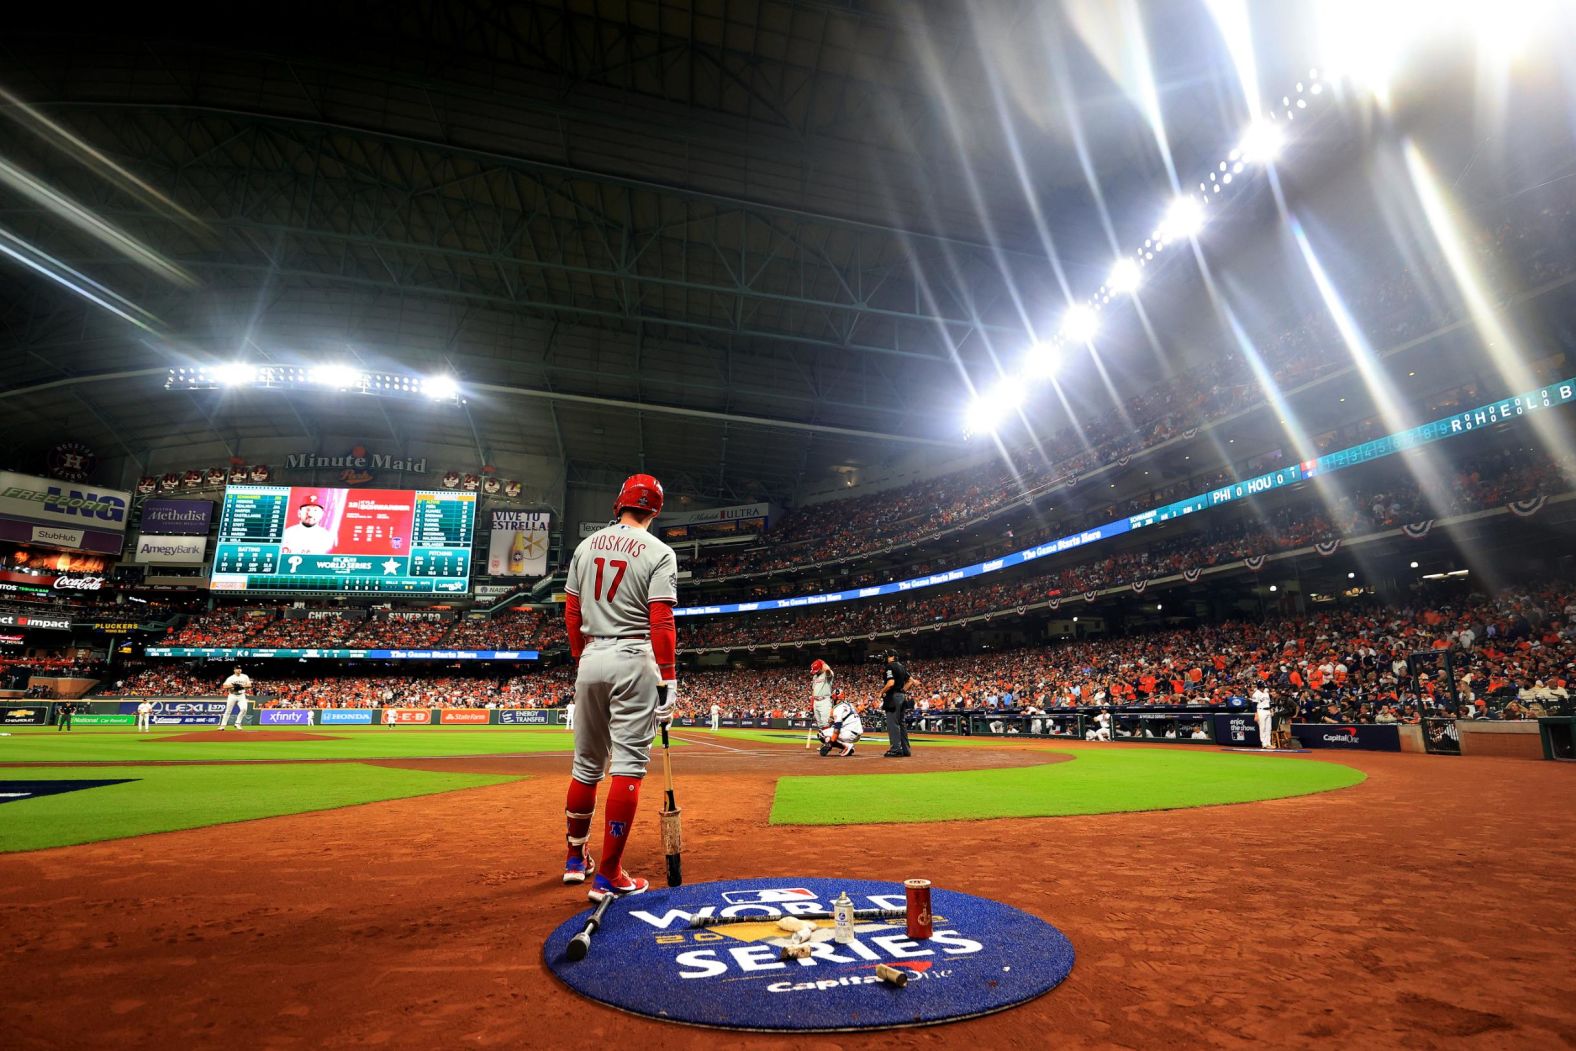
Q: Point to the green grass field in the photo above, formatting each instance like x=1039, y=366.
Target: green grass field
x=167, y=798
x=1096, y=781
x=121, y=745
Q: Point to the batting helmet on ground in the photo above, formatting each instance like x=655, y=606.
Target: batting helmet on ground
x=640, y=491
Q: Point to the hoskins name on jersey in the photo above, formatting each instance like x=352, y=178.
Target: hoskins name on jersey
x=626, y=545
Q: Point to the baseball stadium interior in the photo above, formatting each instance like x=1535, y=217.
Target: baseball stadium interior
x=1107, y=464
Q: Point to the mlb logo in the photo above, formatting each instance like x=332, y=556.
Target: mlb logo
x=774, y=896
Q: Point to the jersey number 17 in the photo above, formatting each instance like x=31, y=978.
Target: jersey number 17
x=619, y=565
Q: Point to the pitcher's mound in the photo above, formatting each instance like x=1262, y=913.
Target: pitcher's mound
x=248, y=735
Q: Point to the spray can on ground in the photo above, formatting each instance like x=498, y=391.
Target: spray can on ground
x=843, y=919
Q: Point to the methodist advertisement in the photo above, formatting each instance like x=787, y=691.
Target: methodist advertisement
x=309, y=538
x=72, y=516
x=517, y=546
x=176, y=517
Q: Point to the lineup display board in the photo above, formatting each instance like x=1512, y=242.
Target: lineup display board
x=310, y=538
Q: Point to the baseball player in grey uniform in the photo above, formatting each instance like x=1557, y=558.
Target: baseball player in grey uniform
x=622, y=585
x=821, y=678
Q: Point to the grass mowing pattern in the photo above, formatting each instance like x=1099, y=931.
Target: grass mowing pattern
x=1094, y=782
x=167, y=798
x=123, y=744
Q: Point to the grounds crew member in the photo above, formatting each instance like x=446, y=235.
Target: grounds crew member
x=622, y=586
x=894, y=701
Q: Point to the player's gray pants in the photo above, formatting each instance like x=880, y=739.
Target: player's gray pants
x=615, y=708
x=897, y=733
x=823, y=711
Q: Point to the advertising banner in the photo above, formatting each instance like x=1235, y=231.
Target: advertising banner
x=99, y=541
x=587, y=528
x=104, y=720
x=527, y=716
x=284, y=717
x=187, y=713
x=517, y=545
x=24, y=715
x=345, y=717
x=170, y=550
x=177, y=517
x=46, y=501
x=450, y=716
x=407, y=715
x=291, y=653
x=309, y=538
x=25, y=620
x=1366, y=737
x=1240, y=731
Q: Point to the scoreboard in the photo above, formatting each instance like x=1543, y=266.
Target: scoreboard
x=312, y=539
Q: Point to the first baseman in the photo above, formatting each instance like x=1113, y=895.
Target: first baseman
x=622, y=586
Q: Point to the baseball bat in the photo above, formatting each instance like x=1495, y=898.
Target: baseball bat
x=580, y=944
x=672, y=829
x=859, y=914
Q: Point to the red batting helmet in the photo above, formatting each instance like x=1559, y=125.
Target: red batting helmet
x=640, y=491
x=818, y=667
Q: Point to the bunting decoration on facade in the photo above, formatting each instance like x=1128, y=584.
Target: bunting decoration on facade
x=1327, y=548
x=1418, y=530
x=1254, y=562
x=1191, y=575
x=1138, y=586
x=1527, y=508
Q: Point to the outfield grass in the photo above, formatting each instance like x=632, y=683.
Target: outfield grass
x=104, y=744
x=167, y=798
x=1096, y=781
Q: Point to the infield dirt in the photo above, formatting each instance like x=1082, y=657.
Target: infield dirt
x=1426, y=907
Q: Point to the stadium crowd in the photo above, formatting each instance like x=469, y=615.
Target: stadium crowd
x=350, y=687
x=253, y=626
x=1390, y=310
x=1488, y=481
x=1514, y=656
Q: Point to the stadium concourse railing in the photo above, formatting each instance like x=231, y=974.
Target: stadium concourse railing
x=1254, y=564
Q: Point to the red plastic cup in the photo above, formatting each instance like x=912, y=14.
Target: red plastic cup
x=919, y=920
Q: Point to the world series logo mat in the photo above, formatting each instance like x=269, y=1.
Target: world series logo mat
x=650, y=957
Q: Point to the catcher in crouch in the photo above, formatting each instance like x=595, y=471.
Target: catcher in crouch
x=821, y=678
x=844, y=728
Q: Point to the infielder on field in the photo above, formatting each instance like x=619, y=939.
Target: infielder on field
x=144, y=716
x=235, y=699
x=622, y=585
x=844, y=727
x=821, y=679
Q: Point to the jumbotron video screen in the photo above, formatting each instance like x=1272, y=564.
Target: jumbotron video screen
x=315, y=539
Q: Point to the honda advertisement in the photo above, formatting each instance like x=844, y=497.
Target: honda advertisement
x=345, y=717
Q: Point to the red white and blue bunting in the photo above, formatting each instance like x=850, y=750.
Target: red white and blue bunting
x=1328, y=547
x=1527, y=508
x=1191, y=575
x=1418, y=530
x=1254, y=562
x=1138, y=586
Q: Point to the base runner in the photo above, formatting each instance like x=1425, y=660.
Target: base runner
x=844, y=727
x=622, y=585
x=235, y=701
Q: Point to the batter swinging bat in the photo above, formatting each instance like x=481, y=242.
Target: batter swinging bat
x=672, y=829
x=580, y=944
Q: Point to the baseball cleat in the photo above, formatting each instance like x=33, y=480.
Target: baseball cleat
x=846, y=752
x=625, y=885
x=576, y=868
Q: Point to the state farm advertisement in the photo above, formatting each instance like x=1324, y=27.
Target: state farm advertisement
x=464, y=715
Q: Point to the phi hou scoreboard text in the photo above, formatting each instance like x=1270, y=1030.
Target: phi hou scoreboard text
x=313, y=538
